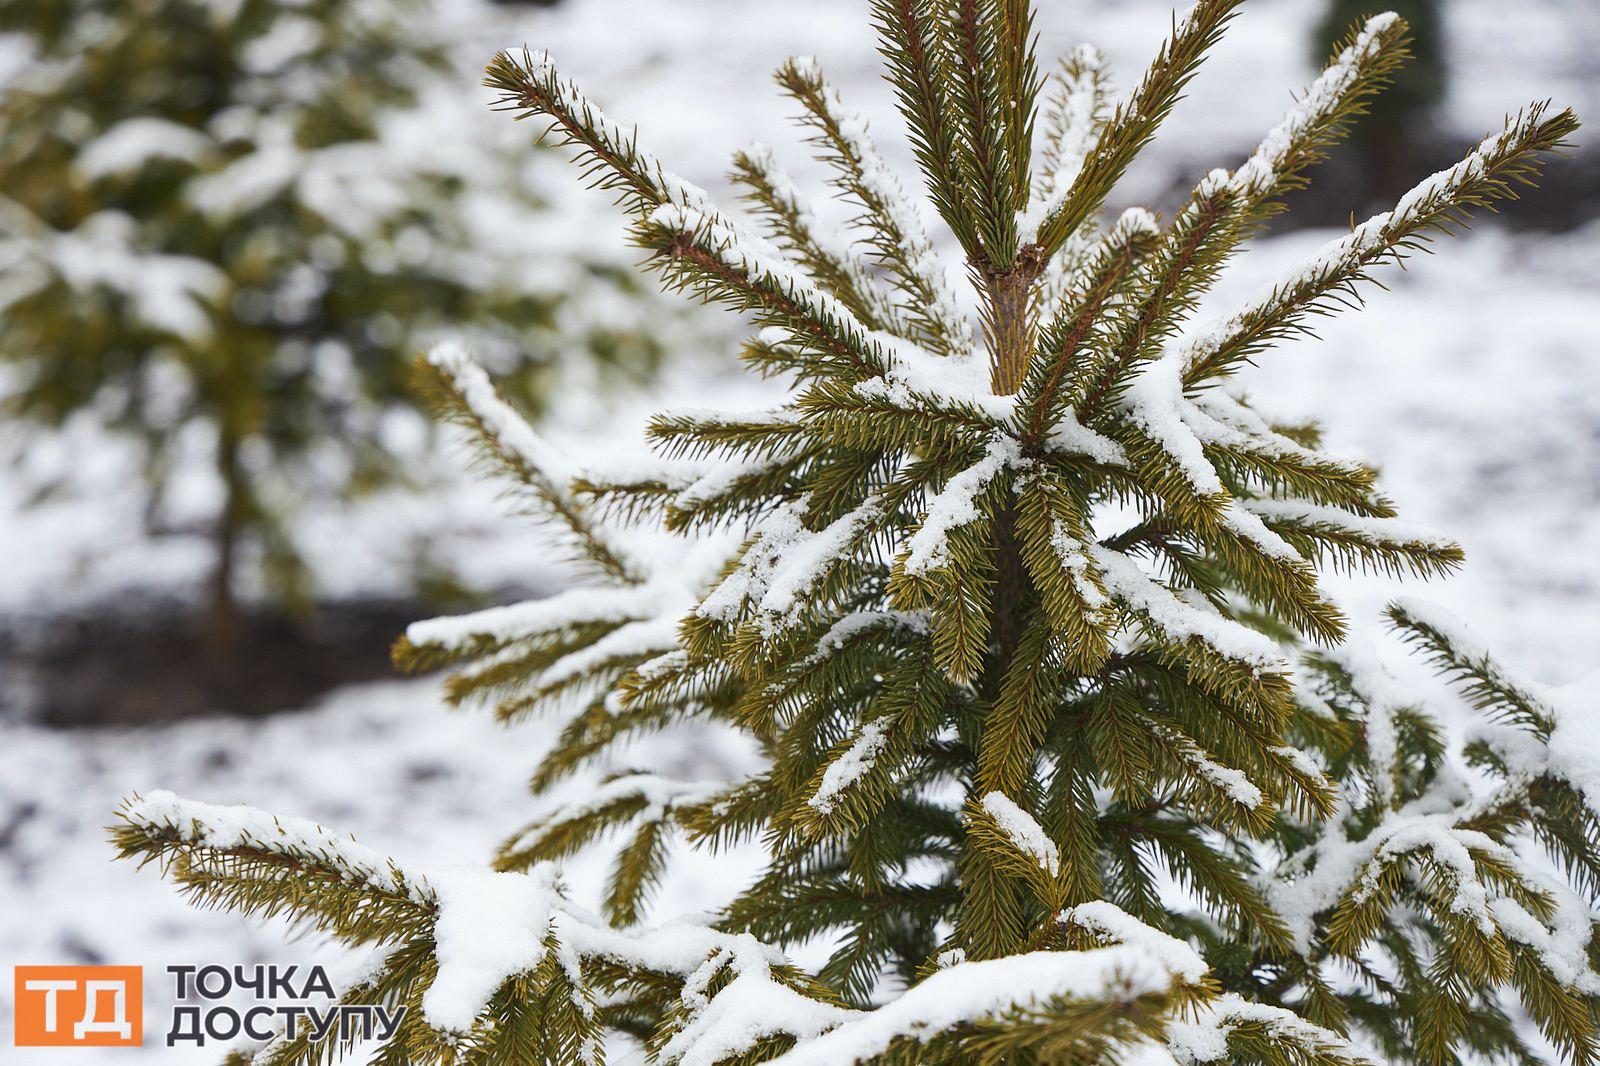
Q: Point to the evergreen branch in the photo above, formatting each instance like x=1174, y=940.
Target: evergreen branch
x=1362, y=65
x=1016, y=722
x=468, y=397
x=694, y=250
x=530, y=85
x=1489, y=173
x=858, y=774
x=1165, y=289
x=1019, y=85
x=893, y=226
x=246, y=860
x=1018, y=846
x=755, y=435
x=1462, y=656
x=793, y=223
x=918, y=68
x=1110, y=271
x=1053, y=534
x=1336, y=537
x=971, y=35
x=1132, y=125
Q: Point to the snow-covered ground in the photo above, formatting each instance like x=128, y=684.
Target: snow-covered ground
x=1472, y=383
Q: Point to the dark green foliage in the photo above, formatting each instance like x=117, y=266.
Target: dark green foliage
x=1031, y=636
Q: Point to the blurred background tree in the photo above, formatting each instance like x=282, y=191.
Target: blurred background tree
x=1390, y=141
x=226, y=228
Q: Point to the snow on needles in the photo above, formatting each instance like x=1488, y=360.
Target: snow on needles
x=956, y=504
x=500, y=418
x=1322, y=100
x=1023, y=830
x=1571, y=749
x=851, y=766
x=225, y=828
x=1177, y=619
x=490, y=926
x=1147, y=962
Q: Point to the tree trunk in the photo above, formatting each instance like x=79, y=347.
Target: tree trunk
x=222, y=614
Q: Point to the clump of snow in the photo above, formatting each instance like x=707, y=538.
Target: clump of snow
x=851, y=766
x=1154, y=402
x=752, y=1006
x=1563, y=950
x=131, y=143
x=810, y=557
x=490, y=926
x=1112, y=923
x=956, y=505
x=967, y=992
x=1243, y=522
x=1205, y=1039
x=1024, y=831
x=1072, y=437
x=1230, y=781
x=857, y=622
x=1073, y=555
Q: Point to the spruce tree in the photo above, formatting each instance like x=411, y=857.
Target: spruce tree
x=217, y=235
x=1065, y=747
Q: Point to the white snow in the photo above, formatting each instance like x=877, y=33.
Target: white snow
x=1374, y=530
x=851, y=766
x=806, y=561
x=131, y=143
x=1072, y=437
x=490, y=926
x=1205, y=1039
x=225, y=827
x=1154, y=402
x=956, y=505
x=1179, y=620
x=1231, y=782
x=971, y=991
x=1024, y=831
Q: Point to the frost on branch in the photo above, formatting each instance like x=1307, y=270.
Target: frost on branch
x=1064, y=753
